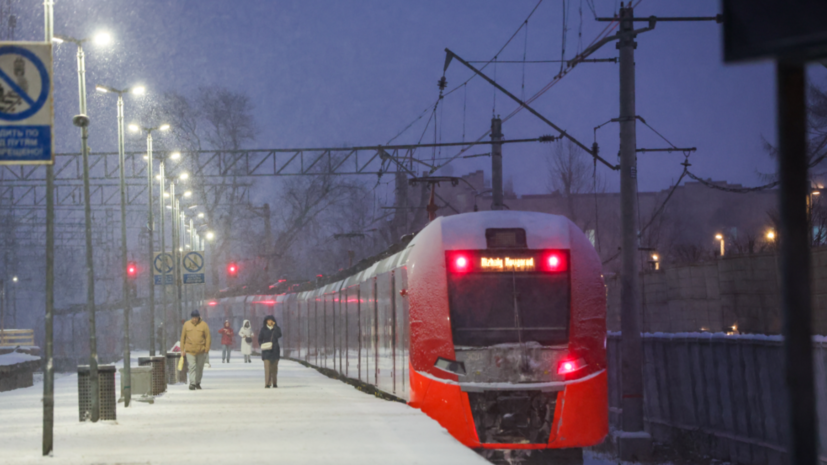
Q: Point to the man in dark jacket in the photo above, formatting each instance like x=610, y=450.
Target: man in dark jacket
x=268, y=338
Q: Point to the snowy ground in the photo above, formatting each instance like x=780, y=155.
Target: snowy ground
x=309, y=419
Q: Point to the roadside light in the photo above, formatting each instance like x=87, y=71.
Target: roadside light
x=134, y=127
x=184, y=176
x=201, y=215
x=720, y=237
x=771, y=235
x=138, y=90
x=14, y=279
x=101, y=89
x=210, y=236
x=175, y=155
x=164, y=127
x=188, y=194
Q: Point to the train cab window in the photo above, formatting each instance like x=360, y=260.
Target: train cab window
x=500, y=308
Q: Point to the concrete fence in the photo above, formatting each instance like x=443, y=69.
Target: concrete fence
x=718, y=395
x=737, y=293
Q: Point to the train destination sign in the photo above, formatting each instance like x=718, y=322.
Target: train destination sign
x=506, y=264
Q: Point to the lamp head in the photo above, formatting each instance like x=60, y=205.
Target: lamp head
x=175, y=156
x=138, y=90
x=102, y=39
x=164, y=127
x=134, y=127
x=184, y=176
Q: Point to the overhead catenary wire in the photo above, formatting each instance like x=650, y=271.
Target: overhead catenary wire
x=425, y=111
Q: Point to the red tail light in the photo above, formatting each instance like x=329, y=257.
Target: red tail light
x=554, y=262
x=212, y=303
x=567, y=366
x=459, y=263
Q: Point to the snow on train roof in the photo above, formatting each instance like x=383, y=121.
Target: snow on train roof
x=466, y=231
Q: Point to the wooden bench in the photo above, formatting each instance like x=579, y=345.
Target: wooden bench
x=16, y=337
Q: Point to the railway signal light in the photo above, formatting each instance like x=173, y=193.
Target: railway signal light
x=131, y=270
x=232, y=270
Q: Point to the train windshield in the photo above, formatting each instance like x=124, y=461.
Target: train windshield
x=501, y=308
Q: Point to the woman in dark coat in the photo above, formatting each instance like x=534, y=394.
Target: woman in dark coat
x=270, y=333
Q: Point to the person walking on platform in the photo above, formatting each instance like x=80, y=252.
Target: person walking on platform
x=195, y=343
x=246, y=335
x=268, y=337
x=227, y=334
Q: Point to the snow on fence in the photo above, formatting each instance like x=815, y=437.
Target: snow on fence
x=718, y=395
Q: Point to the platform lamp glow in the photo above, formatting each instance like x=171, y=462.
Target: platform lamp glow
x=82, y=121
x=175, y=224
x=135, y=90
x=720, y=237
x=150, y=226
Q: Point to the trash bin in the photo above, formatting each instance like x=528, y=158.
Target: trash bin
x=172, y=367
x=159, y=381
x=106, y=392
x=141, y=381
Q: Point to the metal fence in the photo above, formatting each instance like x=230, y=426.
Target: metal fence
x=718, y=395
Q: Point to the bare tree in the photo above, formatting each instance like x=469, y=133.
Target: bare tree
x=572, y=173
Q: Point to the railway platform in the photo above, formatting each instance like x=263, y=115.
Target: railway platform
x=308, y=419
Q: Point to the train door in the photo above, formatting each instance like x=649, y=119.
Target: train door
x=384, y=334
x=402, y=336
x=366, y=316
x=353, y=333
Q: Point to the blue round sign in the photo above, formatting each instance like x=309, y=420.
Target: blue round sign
x=163, y=263
x=45, y=87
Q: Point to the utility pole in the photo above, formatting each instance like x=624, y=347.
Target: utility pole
x=497, y=163
x=638, y=447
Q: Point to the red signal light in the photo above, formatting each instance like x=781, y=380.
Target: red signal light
x=232, y=269
x=131, y=270
x=212, y=303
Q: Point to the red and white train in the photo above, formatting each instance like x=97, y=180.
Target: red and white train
x=492, y=323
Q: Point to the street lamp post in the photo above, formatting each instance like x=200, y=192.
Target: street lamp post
x=82, y=121
x=150, y=227
x=127, y=365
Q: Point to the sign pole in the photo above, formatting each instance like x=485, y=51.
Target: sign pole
x=48, y=369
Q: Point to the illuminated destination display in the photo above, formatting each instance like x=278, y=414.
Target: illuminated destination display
x=507, y=264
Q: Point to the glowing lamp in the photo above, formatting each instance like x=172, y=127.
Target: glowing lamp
x=212, y=303
x=568, y=366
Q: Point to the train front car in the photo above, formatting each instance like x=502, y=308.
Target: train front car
x=507, y=320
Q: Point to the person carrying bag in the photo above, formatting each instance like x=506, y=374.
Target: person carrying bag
x=268, y=337
x=246, y=334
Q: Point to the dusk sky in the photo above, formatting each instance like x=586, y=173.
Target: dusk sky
x=325, y=73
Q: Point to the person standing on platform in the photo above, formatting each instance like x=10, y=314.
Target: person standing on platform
x=227, y=334
x=246, y=335
x=268, y=338
x=195, y=343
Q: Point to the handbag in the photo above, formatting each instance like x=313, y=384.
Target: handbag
x=268, y=345
x=248, y=340
x=181, y=362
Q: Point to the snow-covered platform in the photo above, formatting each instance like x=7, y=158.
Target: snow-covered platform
x=309, y=419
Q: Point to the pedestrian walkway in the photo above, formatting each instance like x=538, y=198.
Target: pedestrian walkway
x=309, y=419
